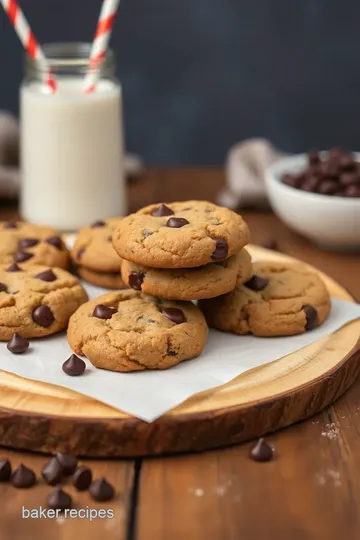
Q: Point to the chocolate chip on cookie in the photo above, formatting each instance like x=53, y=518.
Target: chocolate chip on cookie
x=173, y=314
x=28, y=242
x=55, y=241
x=47, y=275
x=103, y=312
x=221, y=250
x=161, y=211
x=176, y=223
x=22, y=256
x=311, y=317
x=43, y=316
x=98, y=224
x=135, y=280
x=256, y=283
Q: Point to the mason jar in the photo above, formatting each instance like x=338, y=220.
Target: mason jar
x=71, y=142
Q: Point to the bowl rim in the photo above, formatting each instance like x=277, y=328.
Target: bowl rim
x=272, y=174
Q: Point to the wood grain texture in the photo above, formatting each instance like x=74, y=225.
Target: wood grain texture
x=37, y=416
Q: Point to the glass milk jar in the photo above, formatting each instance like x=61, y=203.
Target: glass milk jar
x=71, y=142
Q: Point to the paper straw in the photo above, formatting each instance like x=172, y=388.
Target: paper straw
x=101, y=42
x=28, y=40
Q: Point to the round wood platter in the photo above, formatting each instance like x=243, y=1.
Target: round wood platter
x=47, y=418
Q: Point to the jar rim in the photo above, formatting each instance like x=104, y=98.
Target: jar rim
x=69, y=57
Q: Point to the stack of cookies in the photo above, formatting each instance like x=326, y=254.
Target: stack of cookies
x=183, y=251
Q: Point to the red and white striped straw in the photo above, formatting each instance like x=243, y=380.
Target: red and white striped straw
x=101, y=42
x=27, y=38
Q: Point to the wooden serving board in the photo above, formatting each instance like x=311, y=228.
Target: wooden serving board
x=48, y=418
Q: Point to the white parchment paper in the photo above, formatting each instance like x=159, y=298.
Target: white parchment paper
x=148, y=395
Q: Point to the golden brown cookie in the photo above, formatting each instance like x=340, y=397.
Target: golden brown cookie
x=180, y=235
x=130, y=331
x=29, y=244
x=37, y=301
x=108, y=280
x=206, y=281
x=280, y=299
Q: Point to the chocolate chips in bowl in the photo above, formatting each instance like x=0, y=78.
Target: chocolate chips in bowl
x=334, y=173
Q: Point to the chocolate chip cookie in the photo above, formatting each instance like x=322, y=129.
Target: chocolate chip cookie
x=189, y=283
x=96, y=260
x=130, y=331
x=280, y=299
x=30, y=244
x=37, y=301
x=180, y=235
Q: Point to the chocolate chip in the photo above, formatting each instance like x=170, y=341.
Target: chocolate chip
x=176, y=222
x=3, y=287
x=256, y=283
x=162, y=210
x=349, y=178
x=311, y=317
x=82, y=478
x=328, y=187
x=147, y=233
x=221, y=250
x=346, y=162
x=170, y=352
x=22, y=256
x=23, y=477
x=261, y=451
x=136, y=280
x=14, y=268
x=68, y=462
x=313, y=157
x=101, y=490
x=18, y=344
x=43, y=316
x=10, y=225
x=310, y=184
x=80, y=252
x=103, y=312
x=290, y=180
x=270, y=243
x=352, y=191
x=47, y=275
x=55, y=241
x=5, y=470
x=53, y=472
x=98, y=224
x=74, y=366
x=28, y=242
x=173, y=314
x=59, y=500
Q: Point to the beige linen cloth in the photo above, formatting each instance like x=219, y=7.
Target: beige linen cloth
x=9, y=158
x=245, y=170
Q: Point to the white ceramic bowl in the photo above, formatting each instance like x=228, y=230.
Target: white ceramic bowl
x=333, y=222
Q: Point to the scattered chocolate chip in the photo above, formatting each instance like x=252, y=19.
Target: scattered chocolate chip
x=5, y=470
x=98, y=224
x=47, y=275
x=80, y=252
x=270, y=243
x=82, y=478
x=147, y=233
x=59, y=500
x=43, y=316
x=3, y=287
x=10, y=225
x=28, y=242
x=173, y=314
x=313, y=157
x=290, y=180
x=170, y=352
x=103, y=312
x=74, y=366
x=18, y=344
x=55, y=241
x=162, y=210
x=261, y=451
x=328, y=187
x=311, y=317
x=310, y=184
x=176, y=222
x=53, y=472
x=348, y=178
x=68, y=462
x=352, y=191
x=23, y=477
x=136, y=280
x=256, y=283
x=14, y=268
x=101, y=490
x=22, y=256
x=221, y=250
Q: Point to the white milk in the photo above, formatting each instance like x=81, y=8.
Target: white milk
x=71, y=153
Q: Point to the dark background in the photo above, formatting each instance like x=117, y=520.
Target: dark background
x=199, y=75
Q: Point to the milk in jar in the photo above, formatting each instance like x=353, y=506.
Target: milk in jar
x=71, y=147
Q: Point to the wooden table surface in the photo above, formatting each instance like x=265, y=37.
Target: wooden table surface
x=310, y=492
